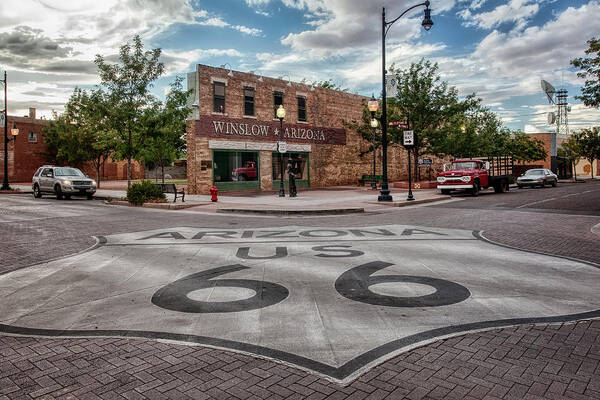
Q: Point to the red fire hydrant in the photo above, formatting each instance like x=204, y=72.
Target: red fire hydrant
x=213, y=193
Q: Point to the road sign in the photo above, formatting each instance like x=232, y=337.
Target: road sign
x=282, y=147
x=408, y=139
x=425, y=161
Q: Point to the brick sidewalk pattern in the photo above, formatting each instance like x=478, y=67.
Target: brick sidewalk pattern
x=556, y=361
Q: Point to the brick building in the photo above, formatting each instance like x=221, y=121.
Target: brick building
x=233, y=132
x=28, y=152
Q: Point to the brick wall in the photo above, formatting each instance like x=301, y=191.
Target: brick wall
x=331, y=162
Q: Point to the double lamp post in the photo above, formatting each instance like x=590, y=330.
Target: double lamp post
x=373, y=104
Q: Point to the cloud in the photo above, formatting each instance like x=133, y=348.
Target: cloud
x=517, y=11
x=25, y=42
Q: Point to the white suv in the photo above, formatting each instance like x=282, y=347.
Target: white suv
x=63, y=182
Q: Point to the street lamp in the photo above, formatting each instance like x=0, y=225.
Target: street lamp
x=14, y=131
x=385, y=26
x=373, y=105
x=281, y=116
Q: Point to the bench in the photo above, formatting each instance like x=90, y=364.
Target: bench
x=171, y=188
x=369, y=178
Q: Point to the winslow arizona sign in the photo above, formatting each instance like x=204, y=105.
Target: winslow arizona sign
x=251, y=129
x=335, y=301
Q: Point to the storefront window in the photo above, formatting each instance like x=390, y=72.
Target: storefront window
x=297, y=161
x=230, y=166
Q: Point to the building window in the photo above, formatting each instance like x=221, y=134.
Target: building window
x=32, y=137
x=237, y=166
x=296, y=162
x=249, y=101
x=219, y=97
x=301, y=108
x=277, y=101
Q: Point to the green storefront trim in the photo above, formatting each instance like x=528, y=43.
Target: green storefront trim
x=238, y=185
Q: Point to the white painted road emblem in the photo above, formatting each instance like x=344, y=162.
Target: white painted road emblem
x=332, y=300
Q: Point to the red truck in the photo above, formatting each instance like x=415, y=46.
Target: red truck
x=246, y=173
x=473, y=174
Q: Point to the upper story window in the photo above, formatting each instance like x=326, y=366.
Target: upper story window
x=219, y=97
x=32, y=137
x=249, y=101
x=302, y=108
x=277, y=101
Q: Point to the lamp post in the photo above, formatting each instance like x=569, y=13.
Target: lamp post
x=385, y=26
x=14, y=131
x=373, y=105
x=281, y=116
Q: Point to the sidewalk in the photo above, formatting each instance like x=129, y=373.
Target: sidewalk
x=333, y=200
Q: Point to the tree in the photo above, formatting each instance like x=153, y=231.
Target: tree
x=589, y=145
x=523, y=147
x=590, y=71
x=165, y=128
x=81, y=133
x=428, y=103
x=128, y=86
x=571, y=152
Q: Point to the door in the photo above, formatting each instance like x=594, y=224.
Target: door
x=46, y=180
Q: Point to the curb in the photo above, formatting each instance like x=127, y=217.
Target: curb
x=161, y=206
x=328, y=211
x=412, y=202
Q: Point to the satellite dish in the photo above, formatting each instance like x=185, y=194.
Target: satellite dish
x=548, y=89
x=568, y=108
x=551, y=118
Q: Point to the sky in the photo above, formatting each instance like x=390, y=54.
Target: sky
x=498, y=49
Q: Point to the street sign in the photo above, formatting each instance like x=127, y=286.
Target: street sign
x=408, y=139
x=282, y=147
x=399, y=124
x=391, y=85
x=2, y=119
x=425, y=162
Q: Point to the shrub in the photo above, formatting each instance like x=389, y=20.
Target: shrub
x=142, y=191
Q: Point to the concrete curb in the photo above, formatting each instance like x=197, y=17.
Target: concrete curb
x=326, y=211
x=162, y=206
x=411, y=203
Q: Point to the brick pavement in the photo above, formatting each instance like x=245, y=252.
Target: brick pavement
x=559, y=361
x=531, y=362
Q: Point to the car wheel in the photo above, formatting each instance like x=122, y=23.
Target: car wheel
x=241, y=178
x=67, y=196
x=476, y=189
x=520, y=186
x=58, y=192
x=543, y=184
x=90, y=196
x=554, y=182
x=446, y=191
x=37, y=193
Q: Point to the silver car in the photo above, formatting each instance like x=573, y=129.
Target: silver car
x=62, y=182
x=537, y=177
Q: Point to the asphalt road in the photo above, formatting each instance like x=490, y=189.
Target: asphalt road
x=156, y=253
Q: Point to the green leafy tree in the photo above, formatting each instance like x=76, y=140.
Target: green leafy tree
x=523, y=147
x=165, y=128
x=429, y=104
x=589, y=145
x=128, y=85
x=590, y=71
x=571, y=152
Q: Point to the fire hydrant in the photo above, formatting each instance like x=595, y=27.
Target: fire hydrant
x=213, y=193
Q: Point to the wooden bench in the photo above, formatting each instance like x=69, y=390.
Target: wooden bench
x=171, y=188
x=369, y=178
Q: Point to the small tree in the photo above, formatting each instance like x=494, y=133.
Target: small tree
x=571, y=152
x=590, y=71
x=523, y=147
x=128, y=86
x=165, y=128
x=589, y=145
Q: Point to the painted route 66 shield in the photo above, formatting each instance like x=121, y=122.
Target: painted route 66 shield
x=335, y=301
